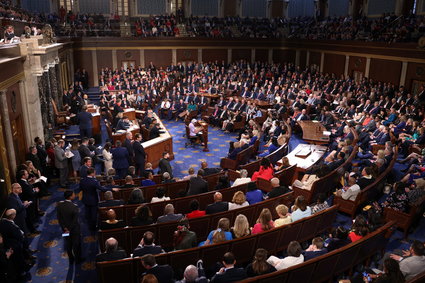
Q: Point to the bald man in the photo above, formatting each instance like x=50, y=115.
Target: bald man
x=219, y=205
x=111, y=251
x=14, y=201
x=277, y=189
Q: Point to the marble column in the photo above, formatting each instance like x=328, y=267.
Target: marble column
x=7, y=130
x=59, y=87
x=45, y=104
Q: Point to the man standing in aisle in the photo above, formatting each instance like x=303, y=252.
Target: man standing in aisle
x=61, y=162
x=139, y=155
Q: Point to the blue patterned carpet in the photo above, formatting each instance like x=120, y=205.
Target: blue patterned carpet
x=52, y=264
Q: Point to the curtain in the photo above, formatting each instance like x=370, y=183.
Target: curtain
x=378, y=7
x=338, y=8
x=301, y=8
x=205, y=7
x=254, y=8
x=151, y=7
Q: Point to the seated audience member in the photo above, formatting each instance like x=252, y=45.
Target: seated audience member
x=366, y=178
x=183, y=237
x=284, y=164
x=218, y=206
x=229, y=273
x=143, y=216
x=234, y=152
x=223, y=183
x=129, y=183
x=209, y=171
x=197, y=185
x=243, y=179
x=112, y=222
x=391, y=273
x=149, y=180
x=136, y=197
x=284, y=215
x=192, y=274
x=294, y=257
x=132, y=172
x=265, y=172
x=315, y=249
x=264, y=222
x=259, y=266
x=337, y=239
x=147, y=246
x=221, y=234
x=169, y=215
x=397, y=200
x=253, y=195
x=166, y=178
x=351, y=191
x=241, y=227
x=321, y=204
x=191, y=173
x=111, y=251
x=300, y=209
x=359, y=229
x=306, y=182
x=110, y=201
x=159, y=195
x=272, y=148
x=110, y=183
x=194, y=210
x=238, y=201
x=277, y=189
x=163, y=273
x=413, y=261
x=148, y=168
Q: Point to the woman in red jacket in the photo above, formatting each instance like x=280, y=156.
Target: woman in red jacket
x=265, y=172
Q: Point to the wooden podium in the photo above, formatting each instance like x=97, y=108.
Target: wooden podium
x=204, y=126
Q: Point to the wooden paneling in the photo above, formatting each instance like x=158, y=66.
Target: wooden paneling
x=128, y=55
x=16, y=122
x=303, y=58
x=261, y=55
x=229, y=8
x=334, y=64
x=211, y=55
x=104, y=59
x=385, y=71
x=241, y=54
x=356, y=64
x=83, y=60
x=283, y=55
x=160, y=58
x=187, y=55
x=315, y=58
x=276, y=9
x=415, y=71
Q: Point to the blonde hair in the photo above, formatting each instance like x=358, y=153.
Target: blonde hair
x=380, y=154
x=282, y=209
x=239, y=198
x=241, y=227
x=222, y=227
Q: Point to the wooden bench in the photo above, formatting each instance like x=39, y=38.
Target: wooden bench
x=275, y=240
x=241, y=158
x=129, y=237
x=327, y=267
x=369, y=193
x=285, y=176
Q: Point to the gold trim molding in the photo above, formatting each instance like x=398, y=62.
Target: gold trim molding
x=12, y=80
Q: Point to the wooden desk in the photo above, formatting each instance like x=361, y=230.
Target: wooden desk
x=303, y=163
x=155, y=147
x=130, y=113
x=95, y=121
x=134, y=129
x=313, y=132
x=204, y=126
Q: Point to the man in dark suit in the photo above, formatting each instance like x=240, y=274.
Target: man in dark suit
x=129, y=146
x=229, y=273
x=147, y=246
x=139, y=155
x=110, y=201
x=87, y=163
x=89, y=186
x=277, y=189
x=29, y=193
x=163, y=273
x=164, y=164
x=169, y=215
x=85, y=122
x=15, y=202
x=123, y=124
x=120, y=159
x=67, y=213
x=84, y=150
x=111, y=251
x=42, y=154
x=218, y=206
x=197, y=185
x=209, y=171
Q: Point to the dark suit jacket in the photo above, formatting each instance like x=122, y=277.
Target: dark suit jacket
x=12, y=235
x=197, y=186
x=275, y=192
x=141, y=251
x=169, y=218
x=165, y=166
x=14, y=201
x=83, y=171
x=90, y=186
x=120, y=156
x=210, y=171
x=129, y=146
x=121, y=125
x=230, y=275
x=112, y=202
x=217, y=207
x=116, y=255
x=27, y=191
x=68, y=216
x=84, y=119
x=84, y=152
x=164, y=273
x=139, y=153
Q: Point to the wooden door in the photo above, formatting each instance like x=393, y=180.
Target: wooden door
x=229, y=8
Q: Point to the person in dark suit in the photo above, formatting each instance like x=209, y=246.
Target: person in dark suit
x=123, y=124
x=111, y=222
x=128, y=144
x=15, y=202
x=164, y=273
x=67, y=213
x=218, y=206
x=209, y=171
x=85, y=122
x=229, y=273
x=89, y=186
x=29, y=193
x=84, y=150
x=315, y=249
x=164, y=164
x=110, y=201
x=169, y=215
x=111, y=251
x=277, y=189
x=87, y=163
x=42, y=154
x=147, y=246
x=139, y=155
x=120, y=159
x=197, y=185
